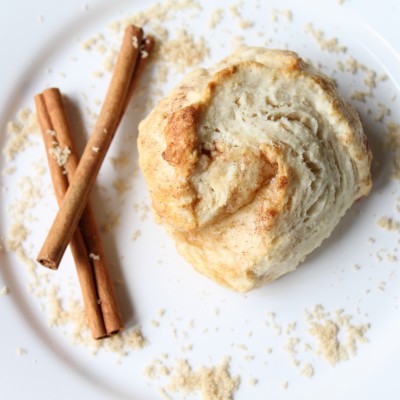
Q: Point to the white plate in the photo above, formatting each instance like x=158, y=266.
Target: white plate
x=41, y=35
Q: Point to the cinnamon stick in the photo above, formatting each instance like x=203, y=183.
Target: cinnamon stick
x=77, y=244
x=87, y=226
x=146, y=48
x=75, y=199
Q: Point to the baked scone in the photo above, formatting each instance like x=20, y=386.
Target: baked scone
x=252, y=163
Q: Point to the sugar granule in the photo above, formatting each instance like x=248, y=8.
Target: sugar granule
x=20, y=133
x=331, y=45
x=325, y=328
x=60, y=154
x=4, y=291
x=212, y=383
x=389, y=224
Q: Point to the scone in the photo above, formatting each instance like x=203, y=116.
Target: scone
x=251, y=164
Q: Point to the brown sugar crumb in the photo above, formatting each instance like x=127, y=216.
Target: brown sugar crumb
x=215, y=18
x=238, y=15
x=130, y=339
x=21, y=351
x=92, y=41
x=109, y=60
x=4, y=291
x=156, y=369
x=290, y=327
x=275, y=14
x=329, y=347
x=214, y=383
x=94, y=257
x=20, y=211
x=161, y=312
x=39, y=168
x=184, y=51
x=9, y=170
x=114, y=26
x=101, y=48
x=352, y=65
x=290, y=346
x=122, y=186
x=326, y=329
x=143, y=209
x=273, y=324
x=155, y=323
x=370, y=80
x=97, y=74
x=384, y=111
x=248, y=357
x=60, y=154
x=285, y=385
x=252, y=381
x=180, y=52
x=186, y=348
x=307, y=371
x=331, y=45
x=17, y=234
x=382, y=286
x=389, y=224
x=121, y=161
x=19, y=133
x=234, y=10
x=113, y=221
x=360, y=95
x=245, y=24
x=136, y=235
x=158, y=12
x=71, y=315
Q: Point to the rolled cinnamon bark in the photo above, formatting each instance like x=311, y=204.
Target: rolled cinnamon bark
x=75, y=199
x=77, y=244
x=87, y=225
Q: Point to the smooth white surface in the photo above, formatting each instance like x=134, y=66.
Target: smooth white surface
x=154, y=275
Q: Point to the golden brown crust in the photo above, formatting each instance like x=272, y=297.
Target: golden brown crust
x=182, y=151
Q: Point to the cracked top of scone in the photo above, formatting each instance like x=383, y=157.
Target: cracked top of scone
x=252, y=163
